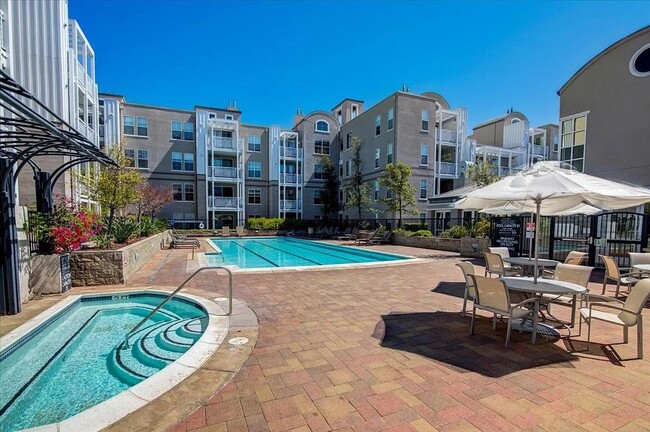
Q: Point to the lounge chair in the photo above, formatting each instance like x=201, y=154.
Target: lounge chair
x=367, y=239
x=626, y=314
x=179, y=243
x=343, y=235
x=492, y=296
x=613, y=272
x=383, y=238
x=225, y=231
x=240, y=231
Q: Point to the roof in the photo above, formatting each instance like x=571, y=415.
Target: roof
x=601, y=55
x=346, y=99
x=496, y=119
x=454, y=193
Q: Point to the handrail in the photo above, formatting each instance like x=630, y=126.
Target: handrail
x=180, y=287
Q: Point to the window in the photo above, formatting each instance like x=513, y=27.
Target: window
x=424, y=154
x=391, y=113
x=177, y=189
x=425, y=120
x=188, y=161
x=322, y=147
x=188, y=131
x=189, y=192
x=143, y=126
x=254, y=216
x=177, y=130
x=377, y=156
x=177, y=161
x=254, y=196
x=229, y=117
x=3, y=27
x=348, y=138
x=255, y=169
x=342, y=197
x=423, y=189
x=89, y=65
x=574, y=137
x=640, y=62
x=341, y=170
x=254, y=143
x=376, y=190
x=515, y=120
x=389, y=154
x=91, y=114
x=355, y=111
x=317, y=197
x=129, y=125
x=143, y=159
x=389, y=194
x=81, y=49
x=377, y=125
x=339, y=116
x=212, y=116
x=318, y=172
x=322, y=126
x=130, y=155
x=81, y=105
x=348, y=167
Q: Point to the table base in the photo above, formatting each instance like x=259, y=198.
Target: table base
x=544, y=330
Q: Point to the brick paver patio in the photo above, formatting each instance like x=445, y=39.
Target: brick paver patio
x=386, y=349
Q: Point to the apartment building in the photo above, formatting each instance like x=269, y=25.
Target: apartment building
x=420, y=130
x=604, y=112
x=39, y=36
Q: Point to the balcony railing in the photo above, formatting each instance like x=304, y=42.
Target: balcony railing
x=447, y=168
x=290, y=205
x=539, y=150
x=445, y=135
x=223, y=202
x=505, y=171
x=291, y=152
x=223, y=143
x=224, y=172
x=290, y=178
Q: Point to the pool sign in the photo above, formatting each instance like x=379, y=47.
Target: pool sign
x=506, y=232
x=530, y=230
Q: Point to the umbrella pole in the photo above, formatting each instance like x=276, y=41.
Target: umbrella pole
x=538, y=202
x=530, y=244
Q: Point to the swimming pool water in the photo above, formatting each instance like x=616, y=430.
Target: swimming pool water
x=273, y=252
x=71, y=365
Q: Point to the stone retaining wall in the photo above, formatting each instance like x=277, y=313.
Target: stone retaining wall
x=114, y=267
x=466, y=246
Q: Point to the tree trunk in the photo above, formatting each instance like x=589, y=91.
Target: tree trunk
x=111, y=215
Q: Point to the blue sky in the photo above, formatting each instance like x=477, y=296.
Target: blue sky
x=275, y=56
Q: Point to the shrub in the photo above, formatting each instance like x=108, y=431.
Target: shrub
x=481, y=228
x=412, y=227
x=422, y=233
x=276, y=224
x=147, y=226
x=403, y=231
x=456, y=232
x=124, y=229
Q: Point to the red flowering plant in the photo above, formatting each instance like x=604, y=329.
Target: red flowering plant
x=67, y=227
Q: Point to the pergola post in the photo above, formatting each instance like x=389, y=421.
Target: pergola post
x=43, y=192
x=9, y=270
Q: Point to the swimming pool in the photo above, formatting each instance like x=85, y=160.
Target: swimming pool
x=75, y=360
x=275, y=252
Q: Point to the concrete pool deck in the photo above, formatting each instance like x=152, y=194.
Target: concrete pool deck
x=385, y=348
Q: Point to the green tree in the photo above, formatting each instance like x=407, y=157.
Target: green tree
x=116, y=187
x=402, y=199
x=357, y=191
x=482, y=173
x=329, y=194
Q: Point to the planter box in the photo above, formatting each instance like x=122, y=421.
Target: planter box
x=49, y=274
x=112, y=267
x=466, y=246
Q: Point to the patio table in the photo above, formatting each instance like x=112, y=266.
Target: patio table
x=530, y=262
x=546, y=286
x=642, y=267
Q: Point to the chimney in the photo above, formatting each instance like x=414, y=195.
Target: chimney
x=298, y=117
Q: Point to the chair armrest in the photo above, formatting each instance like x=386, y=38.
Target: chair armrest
x=610, y=306
x=587, y=296
x=521, y=303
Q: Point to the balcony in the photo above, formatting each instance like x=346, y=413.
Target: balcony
x=505, y=171
x=290, y=178
x=447, y=169
x=229, y=173
x=223, y=202
x=291, y=205
x=448, y=136
x=83, y=78
x=291, y=152
x=539, y=150
x=223, y=143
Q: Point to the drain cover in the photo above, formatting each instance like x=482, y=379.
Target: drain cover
x=238, y=341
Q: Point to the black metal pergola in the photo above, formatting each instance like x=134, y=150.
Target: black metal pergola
x=30, y=130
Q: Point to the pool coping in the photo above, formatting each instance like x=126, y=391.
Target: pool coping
x=115, y=408
x=406, y=259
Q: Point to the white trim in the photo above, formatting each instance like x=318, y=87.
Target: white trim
x=572, y=116
x=321, y=131
x=636, y=55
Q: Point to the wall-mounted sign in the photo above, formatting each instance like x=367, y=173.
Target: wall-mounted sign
x=506, y=232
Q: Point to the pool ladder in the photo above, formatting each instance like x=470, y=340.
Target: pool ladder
x=170, y=296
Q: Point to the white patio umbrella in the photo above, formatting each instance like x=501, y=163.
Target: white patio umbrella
x=550, y=189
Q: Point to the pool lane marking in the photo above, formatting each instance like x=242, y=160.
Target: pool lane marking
x=319, y=249
x=288, y=253
x=255, y=253
x=47, y=363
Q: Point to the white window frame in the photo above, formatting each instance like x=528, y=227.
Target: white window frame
x=180, y=130
x=229, y=117
x=317, y=195
x=248, y=169
x=573, y=131
x=424, y=118
x=131, y=155
x=423, y=189
x=187, y=156
x=319, y=147
x=424, y=153
x=124, y=125
x=146, y=153
x=182, y=192
x=391, y=119
x=184, y=131
x=378, y=125
x=321, y=121
x=389, y=154
x=257, y=144
x=377, y=158
x=354, y=111
x=185, y=185
x=254, y=192
x=376, y=194
x=137, y=126
x=636, y=55
x=180, y=160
